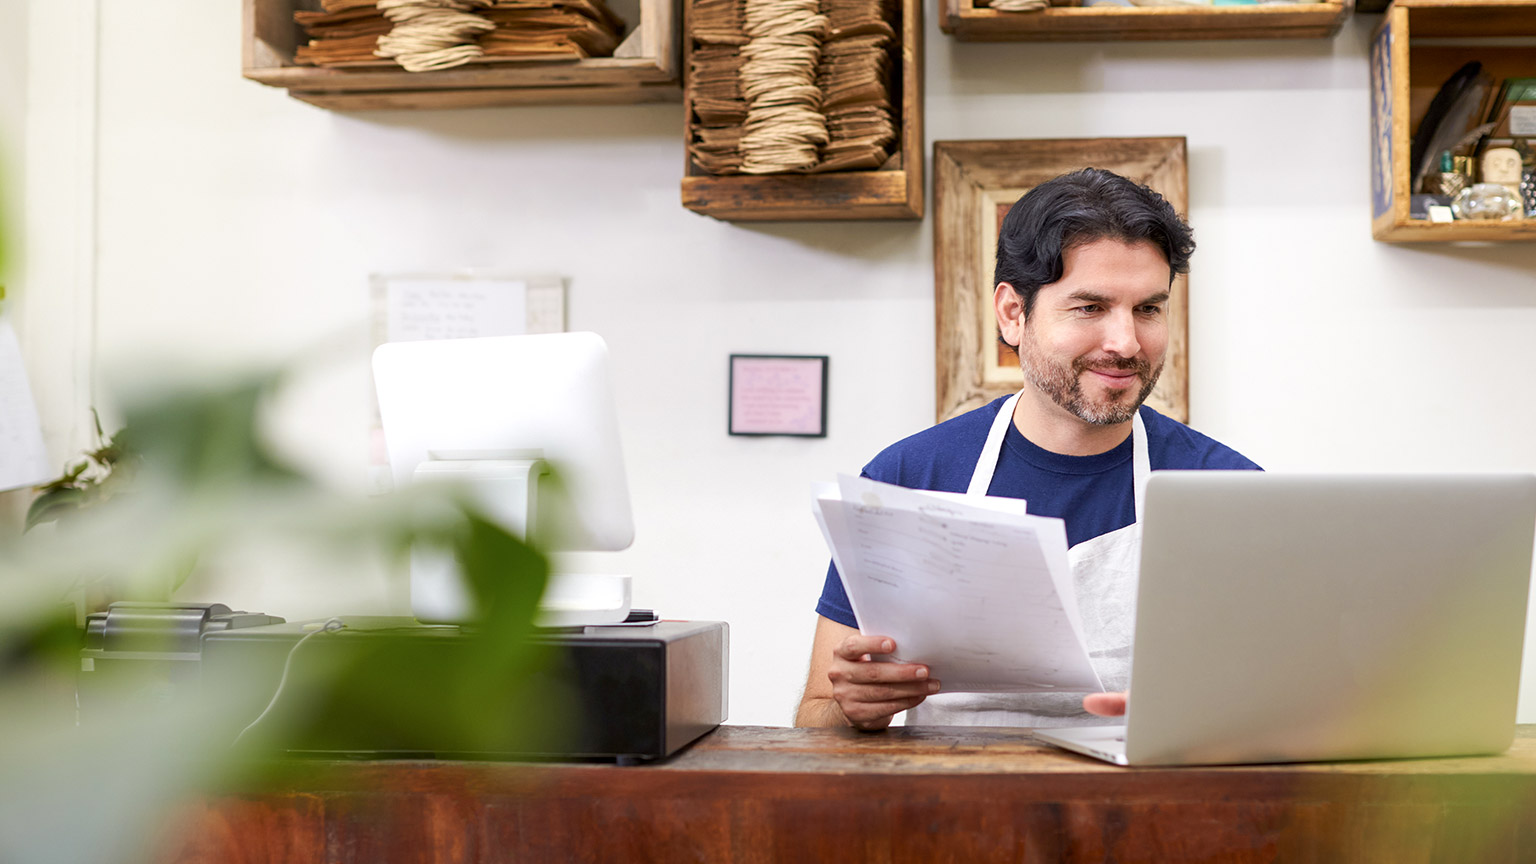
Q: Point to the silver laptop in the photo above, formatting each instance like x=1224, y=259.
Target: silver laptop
x=1299, y=618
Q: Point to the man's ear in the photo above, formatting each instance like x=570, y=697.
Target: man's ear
x=1009, y=307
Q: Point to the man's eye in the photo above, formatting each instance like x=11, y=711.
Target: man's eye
x=1088, y=309
x=1152, y=309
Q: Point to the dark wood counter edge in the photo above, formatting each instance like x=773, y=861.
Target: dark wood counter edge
x=969, y=762
x=753, y=795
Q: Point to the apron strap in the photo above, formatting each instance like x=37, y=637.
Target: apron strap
x=986, y=465
x=981, y=478
x=1141, y=462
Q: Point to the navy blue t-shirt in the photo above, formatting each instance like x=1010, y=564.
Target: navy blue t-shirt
x=1092, y=493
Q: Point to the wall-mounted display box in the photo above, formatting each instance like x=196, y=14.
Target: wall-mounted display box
x=1420, y=44
x=895, y=191
x=643, y=69
x=976, y=21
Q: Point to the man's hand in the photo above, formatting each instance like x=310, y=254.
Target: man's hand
x=1106, y=704
x=871, y=693
x=846, y=687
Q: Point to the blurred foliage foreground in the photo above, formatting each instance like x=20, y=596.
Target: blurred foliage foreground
x=84, y=786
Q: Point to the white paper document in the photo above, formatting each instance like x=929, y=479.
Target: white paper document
x=970, y=585
x=23, y=461
x=447, y=308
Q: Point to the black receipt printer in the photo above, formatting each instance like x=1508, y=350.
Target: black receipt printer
x=149, y=645
x=621, y=693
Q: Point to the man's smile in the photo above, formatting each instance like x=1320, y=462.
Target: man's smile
x=1115, y=373
x=1116, y=378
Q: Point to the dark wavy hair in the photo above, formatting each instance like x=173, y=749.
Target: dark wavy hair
x=1077, y=208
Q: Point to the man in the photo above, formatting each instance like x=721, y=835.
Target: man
x=1085, y=263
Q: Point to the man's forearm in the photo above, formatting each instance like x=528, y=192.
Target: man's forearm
x=822, y=711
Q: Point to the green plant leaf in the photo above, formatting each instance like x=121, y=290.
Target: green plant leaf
x=51, y=504
x=189, y=475
x=206, y=437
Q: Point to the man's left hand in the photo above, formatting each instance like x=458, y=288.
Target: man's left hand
x=1106, y=704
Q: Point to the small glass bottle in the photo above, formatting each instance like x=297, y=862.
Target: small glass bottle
x=1448, y=180
x=1487, y=202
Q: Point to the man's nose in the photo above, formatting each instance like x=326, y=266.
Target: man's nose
x=1120, y=335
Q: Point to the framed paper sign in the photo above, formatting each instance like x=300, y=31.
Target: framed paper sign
x=974, y=185
x=778, y=395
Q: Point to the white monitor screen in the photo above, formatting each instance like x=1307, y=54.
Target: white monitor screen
x=546, y=393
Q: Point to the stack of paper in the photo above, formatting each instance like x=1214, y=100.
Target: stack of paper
x=714, y=84
x=23, y=461
x=972, y=586
x=347, y=32
x=785, y=129
x=851, y=45
x=541, y=29
x=854, y=77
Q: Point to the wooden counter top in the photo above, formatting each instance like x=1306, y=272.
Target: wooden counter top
x=754, y=794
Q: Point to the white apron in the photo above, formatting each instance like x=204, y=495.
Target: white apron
x=1104, y=577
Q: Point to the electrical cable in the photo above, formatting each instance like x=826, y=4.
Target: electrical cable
x=330, y=626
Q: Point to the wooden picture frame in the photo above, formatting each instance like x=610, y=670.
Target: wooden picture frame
x=974, y=184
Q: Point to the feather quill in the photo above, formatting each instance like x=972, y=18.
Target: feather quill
x=1450, y=115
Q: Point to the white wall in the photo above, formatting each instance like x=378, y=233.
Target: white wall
x=234, y=222
x=13, y=110
x=13, y=137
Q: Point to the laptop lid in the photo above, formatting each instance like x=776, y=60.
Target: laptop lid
x=1303, y=617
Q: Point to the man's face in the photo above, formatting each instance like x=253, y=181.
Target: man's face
x=1096, y=339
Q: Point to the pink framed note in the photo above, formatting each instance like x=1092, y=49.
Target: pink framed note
x=773, y=394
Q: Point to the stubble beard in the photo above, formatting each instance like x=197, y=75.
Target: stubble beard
x=1063, y=383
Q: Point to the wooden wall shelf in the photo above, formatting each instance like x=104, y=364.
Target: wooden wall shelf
x=975, y=21
x=645, y=68
x=1420, y=43
x=893, y=192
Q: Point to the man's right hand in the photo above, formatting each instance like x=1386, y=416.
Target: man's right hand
x=846, y=686
x=870, y=693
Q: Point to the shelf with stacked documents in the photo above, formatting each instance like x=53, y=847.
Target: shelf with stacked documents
x=392, y=54
x=803, y=109
x=1453, y=86
x=1072, y=21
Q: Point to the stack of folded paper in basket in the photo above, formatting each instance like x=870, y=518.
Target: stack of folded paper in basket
x=1034, y=5
x=346, y=32
x=528, y=27
x=714, y=83
x=422, y=35
x=791, y=85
